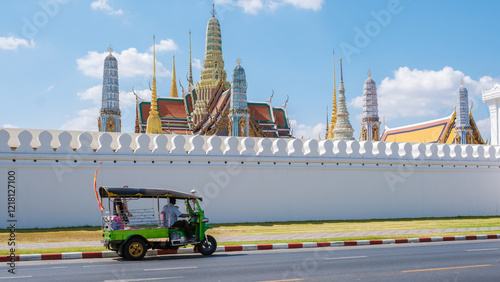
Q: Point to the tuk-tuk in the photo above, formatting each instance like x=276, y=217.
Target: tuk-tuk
x=147, y=227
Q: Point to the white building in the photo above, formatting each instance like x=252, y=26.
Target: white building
x=492, y=99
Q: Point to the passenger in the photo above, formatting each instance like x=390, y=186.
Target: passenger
x=120, y=209
x=171, y=213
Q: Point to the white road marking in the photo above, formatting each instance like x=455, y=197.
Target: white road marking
x=14, y=277
x=48, y=267
x=480, y=250
x=99, y=265
x=346, y=257
x=171, y=268
x=144, y=279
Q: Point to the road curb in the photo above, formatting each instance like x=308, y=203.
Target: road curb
x=254, y=247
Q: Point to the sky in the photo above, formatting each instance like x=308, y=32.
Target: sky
x=52, y=54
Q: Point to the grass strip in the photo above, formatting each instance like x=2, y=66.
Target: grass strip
x=93, y=233
x=401, y=236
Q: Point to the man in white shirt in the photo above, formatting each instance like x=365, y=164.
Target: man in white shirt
x=172, y=213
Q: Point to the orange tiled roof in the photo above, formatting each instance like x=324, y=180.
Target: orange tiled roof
x=171, y=108
x=260, y=112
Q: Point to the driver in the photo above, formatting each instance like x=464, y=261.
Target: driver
x=171, y=213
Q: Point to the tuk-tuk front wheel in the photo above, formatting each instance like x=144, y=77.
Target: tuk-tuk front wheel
x=134, y=249
x=207, y=246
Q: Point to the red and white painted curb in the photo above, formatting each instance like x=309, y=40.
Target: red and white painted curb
x=257, y=247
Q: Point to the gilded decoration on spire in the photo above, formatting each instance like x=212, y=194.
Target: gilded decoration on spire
x=343, y=129
x=331, y=127
x=173, y=88
x=154, y=122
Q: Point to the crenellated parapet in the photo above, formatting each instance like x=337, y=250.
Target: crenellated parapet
x=34, y=144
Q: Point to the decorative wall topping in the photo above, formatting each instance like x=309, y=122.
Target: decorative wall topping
x=232, y=146
x=45, y=138
x=4, y=141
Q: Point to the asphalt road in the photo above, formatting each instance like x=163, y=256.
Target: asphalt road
x=444, y=261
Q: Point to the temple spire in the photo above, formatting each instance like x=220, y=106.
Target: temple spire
x=343, y=129
x=110, y=114
x=331, y=127
x=154, y=122
x=173, y=88
x=370, y=123
x=463, y=128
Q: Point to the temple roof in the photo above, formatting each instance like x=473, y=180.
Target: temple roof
x=425, y=132
x=261, y=111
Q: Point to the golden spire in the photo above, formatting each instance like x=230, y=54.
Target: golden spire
x=190, y=64
x=461, y=82
x=334, y=106
x=110, y=49
x=173, y=88
x=154, y=122
x=369, y=73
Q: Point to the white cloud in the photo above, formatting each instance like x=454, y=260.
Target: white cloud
x=255, y=6
x=127, y=99
x=484, y=127
x=308, y=131
x=131, y=63
x=217, y=2
x=423, y=93
x=13, y=43
x=104, y=6
x=8, y=125
x=165, y=45
x=251, y=6
x=93, y=93
x=50, y=88
x=85, y=121
x=197, y=63
x=314, y=5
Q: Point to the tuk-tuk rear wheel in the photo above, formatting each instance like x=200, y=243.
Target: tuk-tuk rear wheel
x=134, y=249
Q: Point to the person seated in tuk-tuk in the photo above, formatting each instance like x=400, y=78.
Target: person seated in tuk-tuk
x=171, y=215
x=120, y=209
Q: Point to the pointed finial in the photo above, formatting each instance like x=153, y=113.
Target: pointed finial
x=239, y=60
x=369, y=73
x=154, y=56
x=461, y=82
x=190, y=64
x=213, y=10
x=110, y=49
x=341, y=75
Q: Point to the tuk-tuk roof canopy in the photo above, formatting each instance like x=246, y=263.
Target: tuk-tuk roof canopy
x=113, y=192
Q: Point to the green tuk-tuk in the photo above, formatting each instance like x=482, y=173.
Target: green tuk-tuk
x=147, y=227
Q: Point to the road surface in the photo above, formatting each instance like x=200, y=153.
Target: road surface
x=443, y=261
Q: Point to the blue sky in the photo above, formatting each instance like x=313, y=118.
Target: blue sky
x=52, y=53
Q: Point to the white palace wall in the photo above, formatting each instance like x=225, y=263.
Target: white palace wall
x=247, y=179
